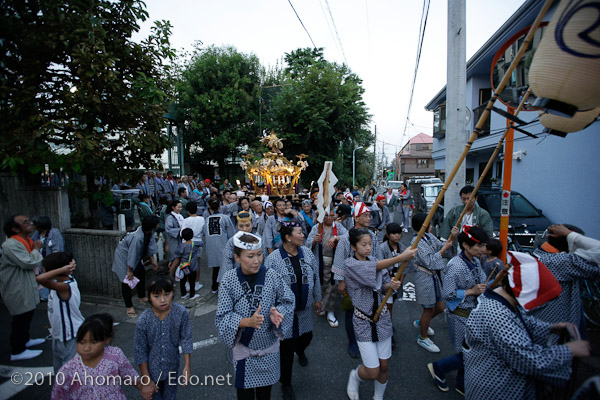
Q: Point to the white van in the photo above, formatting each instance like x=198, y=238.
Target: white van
x=395, y=185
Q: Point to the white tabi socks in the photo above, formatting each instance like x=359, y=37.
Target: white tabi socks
x=353, y=384
x=379, y=390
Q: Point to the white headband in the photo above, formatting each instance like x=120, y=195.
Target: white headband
x=244, y=245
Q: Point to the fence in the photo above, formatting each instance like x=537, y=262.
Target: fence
x=93, y=251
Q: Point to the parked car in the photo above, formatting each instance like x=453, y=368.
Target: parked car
x=525, y=218
x=429, y=192
x=395, y=185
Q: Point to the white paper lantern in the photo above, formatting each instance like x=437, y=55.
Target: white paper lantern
x=567, y=125
x=566, y=65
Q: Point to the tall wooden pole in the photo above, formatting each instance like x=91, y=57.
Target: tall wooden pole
x=507, y=132
x=472, y=138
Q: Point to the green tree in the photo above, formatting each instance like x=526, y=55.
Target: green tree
x=76, y=92
x=217, y=97
x=320, y=111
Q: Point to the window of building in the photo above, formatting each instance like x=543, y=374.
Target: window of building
x=439, y=121
x=484, y=97
x=422, y=163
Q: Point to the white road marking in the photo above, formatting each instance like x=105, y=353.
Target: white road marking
x=204, y=343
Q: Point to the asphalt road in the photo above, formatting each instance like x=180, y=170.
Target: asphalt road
x=325, y=377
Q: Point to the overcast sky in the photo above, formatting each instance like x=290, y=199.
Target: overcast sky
x=378, y=38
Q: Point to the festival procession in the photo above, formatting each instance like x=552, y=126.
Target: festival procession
x=210, y=223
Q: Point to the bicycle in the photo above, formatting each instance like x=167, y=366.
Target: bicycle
x=590, y=296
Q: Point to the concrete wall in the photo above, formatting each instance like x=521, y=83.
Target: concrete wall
x=94, y=251
x=32, y=201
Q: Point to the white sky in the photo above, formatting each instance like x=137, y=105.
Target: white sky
x=378, y=37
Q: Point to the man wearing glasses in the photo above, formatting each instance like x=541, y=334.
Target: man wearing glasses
x=18, y=287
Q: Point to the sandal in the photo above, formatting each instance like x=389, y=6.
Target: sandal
x=131, y=314
x=334, y=323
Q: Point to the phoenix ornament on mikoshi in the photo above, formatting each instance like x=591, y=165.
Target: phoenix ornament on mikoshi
x=326, y=183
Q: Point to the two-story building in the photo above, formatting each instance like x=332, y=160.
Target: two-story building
x=559, y=175
x=415, y=157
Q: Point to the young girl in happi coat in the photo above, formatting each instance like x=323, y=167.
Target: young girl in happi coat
x=173, y=227
x=97, y=370
x=255, y=307
x=464, y=280
x=158, y=334
x=428, y=287
x=391, y=247
x=367, y=281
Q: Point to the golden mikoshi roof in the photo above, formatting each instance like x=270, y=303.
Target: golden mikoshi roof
x=274, y=164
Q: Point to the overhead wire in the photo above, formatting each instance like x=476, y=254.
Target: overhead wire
x=336, y=31
x=422, y=27
x=302, y=23
x=330, y=29
x=369, y=34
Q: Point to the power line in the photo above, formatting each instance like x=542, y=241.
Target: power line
x=424, y=15
x=337, y=47
x=336, y=31
x=369, y=35
x=302, y=23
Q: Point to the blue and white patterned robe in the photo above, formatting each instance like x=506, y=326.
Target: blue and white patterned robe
x=271, y=237
x=459, y=276
x=217, y=231
x=235, y=304
x=506, y=352
x=344, y=250
x=568, y=269
x=365, y=287
x=428, y=287
x=310, y=286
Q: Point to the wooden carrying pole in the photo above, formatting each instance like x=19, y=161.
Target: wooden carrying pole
x=491, y=161
x=478, y=128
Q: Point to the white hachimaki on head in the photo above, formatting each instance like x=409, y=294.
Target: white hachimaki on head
x=237, y=242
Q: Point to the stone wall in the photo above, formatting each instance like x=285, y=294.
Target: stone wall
x=32, y=201
x=94, y=251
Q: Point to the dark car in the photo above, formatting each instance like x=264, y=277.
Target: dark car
x=525, y=219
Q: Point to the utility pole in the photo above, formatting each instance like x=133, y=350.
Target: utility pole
x=456, y=136
x=375, y=156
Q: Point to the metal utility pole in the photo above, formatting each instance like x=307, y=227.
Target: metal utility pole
x=456, y=136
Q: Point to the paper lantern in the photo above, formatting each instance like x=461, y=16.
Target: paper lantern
x=565, y=70
x=562, y=125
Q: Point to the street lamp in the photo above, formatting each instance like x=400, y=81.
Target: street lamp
x=354, y=165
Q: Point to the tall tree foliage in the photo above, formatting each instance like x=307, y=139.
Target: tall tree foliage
x=76, y=92
x=217, y=97
x=320, y=111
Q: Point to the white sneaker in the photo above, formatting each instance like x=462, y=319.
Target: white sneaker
x=195, y=296
x=405, y=230
x=187, y=286
x=186, y=296
x=26, y=355
x=427, y=344
x=430, y=332
x=352, y=387
x=34, y=342
x=198, y=286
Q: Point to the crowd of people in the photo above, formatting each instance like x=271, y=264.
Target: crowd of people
x=273, y=266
